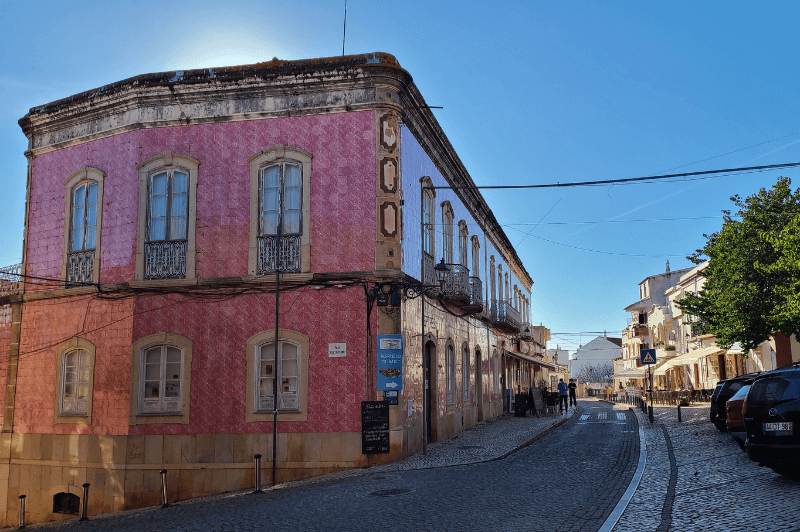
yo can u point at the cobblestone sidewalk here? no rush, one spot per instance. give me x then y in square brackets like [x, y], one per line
[707, 484]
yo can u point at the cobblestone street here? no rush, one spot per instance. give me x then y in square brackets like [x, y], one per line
[554, 473]
[548, 484]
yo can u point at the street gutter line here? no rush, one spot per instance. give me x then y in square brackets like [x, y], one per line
[611, 522]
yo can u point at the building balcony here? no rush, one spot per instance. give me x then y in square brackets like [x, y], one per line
[456, 285]
[475, 304]
[505, 316]
[10, 281]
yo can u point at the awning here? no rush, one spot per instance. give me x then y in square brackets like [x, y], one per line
[630, 373]
[531, 360]
[687, 358]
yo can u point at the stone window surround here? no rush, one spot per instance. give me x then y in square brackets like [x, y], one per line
[86, 174]
[73, 344]
[447, 233]
[153, 165]
[463, 244]
[266, 337]
[466, 374]
[429, 199]
[137, 350]
[273, 155]
[450, 374]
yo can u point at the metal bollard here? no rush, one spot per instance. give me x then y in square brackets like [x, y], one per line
[258, 474]
[650, 413]
[679, 413]
[22, 511]
[85, 508]
[164, 502]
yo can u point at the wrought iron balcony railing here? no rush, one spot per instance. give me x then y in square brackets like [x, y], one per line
[80, 267]
[283, 257]
[165, 260]
[456, 284]
[475, 295]
[506, 316]
[10, 281]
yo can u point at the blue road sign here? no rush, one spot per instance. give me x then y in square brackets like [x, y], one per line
[648, 356]
[390, 362]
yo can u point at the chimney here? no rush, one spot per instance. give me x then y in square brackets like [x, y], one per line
[667, 266]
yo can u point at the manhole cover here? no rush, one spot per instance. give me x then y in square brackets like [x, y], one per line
[379, 477]
[467, 447]
[390, 493]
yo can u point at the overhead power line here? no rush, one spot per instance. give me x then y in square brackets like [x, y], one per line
[628, 180]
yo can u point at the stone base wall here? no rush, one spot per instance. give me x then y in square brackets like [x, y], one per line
[124, 470]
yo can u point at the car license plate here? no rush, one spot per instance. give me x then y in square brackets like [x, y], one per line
[775, 427]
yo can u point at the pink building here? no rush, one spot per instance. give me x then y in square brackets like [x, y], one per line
[169, 214]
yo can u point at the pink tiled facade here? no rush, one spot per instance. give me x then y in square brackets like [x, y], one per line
[342, 225]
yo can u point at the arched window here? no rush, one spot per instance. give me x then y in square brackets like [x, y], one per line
[290, 366]
[167, 219]
[476, 256]
[279, 210]
[465, 373]
[161, 386]
[450, 375]
[428, 217]
[463, 243]
[74, 381]
[447, 229]
[83, 214]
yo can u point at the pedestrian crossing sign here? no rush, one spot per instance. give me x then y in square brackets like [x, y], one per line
[648, 356]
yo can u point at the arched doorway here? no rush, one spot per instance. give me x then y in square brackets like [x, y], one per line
[479, 383]
[429, 391]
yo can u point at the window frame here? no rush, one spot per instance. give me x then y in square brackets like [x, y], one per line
[450, 374]
[463, 244]
[162, 409]
[466, 374]
[254, 343]
[138, 349]
[84, 175]
[447, 230]
[428, 217]
[154, 165]
[496, 373]
[280, 154]
[63, 349]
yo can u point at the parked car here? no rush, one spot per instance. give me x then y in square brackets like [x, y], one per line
[728, 390]
[734, 420]
[771, 416]
[713, 413]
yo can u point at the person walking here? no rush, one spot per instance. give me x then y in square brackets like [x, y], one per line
[563, 391]
[573, 400]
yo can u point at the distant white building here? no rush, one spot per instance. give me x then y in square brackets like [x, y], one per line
[602, 349]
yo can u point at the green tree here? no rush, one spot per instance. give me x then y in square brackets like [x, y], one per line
[751, 281]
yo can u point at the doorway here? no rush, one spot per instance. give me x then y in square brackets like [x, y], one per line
[479, 383]
[429, 361]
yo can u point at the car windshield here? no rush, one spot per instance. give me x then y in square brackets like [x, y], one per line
[741, 393]
[774, 390]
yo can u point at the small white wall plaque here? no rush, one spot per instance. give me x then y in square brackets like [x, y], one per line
[337, 350]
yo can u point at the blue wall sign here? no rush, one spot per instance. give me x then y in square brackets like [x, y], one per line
[648, 356]
[390, 362]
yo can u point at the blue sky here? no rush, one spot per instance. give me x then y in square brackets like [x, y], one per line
[532, 92]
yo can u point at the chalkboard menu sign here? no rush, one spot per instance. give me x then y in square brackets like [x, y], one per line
[538, 403]
[374, 427]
